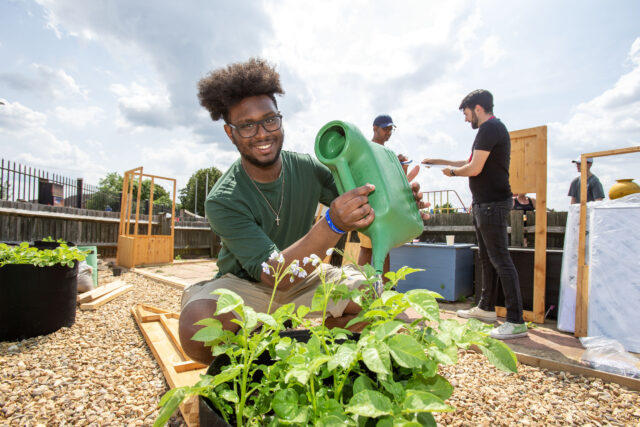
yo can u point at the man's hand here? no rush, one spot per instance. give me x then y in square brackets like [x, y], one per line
[417, 194]
[402, 158]
[447, 172]
[351, 210]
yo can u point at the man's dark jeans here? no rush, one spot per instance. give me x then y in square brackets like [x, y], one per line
[490, 221]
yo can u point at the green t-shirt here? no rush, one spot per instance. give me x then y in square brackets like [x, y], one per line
[247, 226]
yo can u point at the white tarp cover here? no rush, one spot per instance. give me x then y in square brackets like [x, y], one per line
[614, 274]
[568, 276]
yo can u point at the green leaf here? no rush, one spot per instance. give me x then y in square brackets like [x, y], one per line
[344, 357]
[362, 383]
[424, 302]
[376, 356]
[229, 395]
[208, 333]
[228, 301]
[285, 404]
[426, 420]
[406, 351]
[422, 401]
[303, 310]
[267, 320]
[447, 356]
[226, 375]
[300, 374]
[394, 388]
[387, 329]
[250, 318]
[500, 355]
[284, 311]
[170, 402]
[373, 313]
[355, 320]
[209, 321]
[436, 384]
[370, 403]
[332, 420]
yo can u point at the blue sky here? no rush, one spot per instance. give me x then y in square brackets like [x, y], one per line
[101, 86]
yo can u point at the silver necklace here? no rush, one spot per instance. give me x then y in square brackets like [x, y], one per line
[277, 214]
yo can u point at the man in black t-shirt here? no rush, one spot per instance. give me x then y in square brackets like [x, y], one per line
[488, 172]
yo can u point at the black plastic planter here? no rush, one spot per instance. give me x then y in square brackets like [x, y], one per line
[36, 300]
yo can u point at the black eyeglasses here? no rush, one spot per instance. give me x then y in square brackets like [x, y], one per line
[249, 130]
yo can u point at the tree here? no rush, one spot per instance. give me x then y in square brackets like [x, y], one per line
[110, 189]
[188, 193]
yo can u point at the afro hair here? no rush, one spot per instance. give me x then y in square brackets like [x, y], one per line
[223, 88]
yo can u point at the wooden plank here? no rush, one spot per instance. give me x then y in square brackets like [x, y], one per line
[159, 278]
[168, 356]
[98, 292]
[552, 365]
[189, 365]
[105, 298]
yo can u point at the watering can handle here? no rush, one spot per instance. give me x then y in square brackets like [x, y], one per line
[344, 172]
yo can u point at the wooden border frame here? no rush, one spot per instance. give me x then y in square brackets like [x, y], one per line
[528, 174]
[135, 249]
[582, 284]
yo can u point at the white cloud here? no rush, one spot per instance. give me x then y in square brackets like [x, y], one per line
[16, 119]
[141, 106]
[79, 117]
[492, 51]
[32, 143]
[48, 81]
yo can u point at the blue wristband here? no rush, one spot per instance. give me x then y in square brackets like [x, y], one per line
[331, 224]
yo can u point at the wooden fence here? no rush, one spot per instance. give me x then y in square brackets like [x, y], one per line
[461, 225]
[21, 221]
[30, 221]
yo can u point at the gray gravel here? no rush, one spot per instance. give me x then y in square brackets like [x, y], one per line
[100, 372]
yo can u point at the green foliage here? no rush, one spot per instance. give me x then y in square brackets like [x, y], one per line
[444, 208]
[23, 254]
[110, 187]
[188, 193]
[50, 239]
[386, 376]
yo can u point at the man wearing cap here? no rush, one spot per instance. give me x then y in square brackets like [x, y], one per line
[594, 187]
[488, 172]
[383, 127]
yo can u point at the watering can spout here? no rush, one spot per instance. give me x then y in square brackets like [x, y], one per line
[355, 161]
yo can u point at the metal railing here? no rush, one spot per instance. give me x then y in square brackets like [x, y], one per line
[441, 202]
[22, 183]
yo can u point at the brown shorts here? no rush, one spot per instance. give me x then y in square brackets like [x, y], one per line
[257, 294]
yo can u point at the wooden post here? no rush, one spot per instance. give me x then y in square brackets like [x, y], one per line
[517, 228]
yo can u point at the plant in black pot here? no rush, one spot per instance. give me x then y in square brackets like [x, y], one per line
[38, 289]
[387, 375]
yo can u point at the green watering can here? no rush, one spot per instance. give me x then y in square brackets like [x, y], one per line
[355, 161]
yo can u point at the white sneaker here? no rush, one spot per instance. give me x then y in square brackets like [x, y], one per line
[509, 330]
[477, 313]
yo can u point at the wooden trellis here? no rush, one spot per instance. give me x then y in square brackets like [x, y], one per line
[142, 249]
[528, 174]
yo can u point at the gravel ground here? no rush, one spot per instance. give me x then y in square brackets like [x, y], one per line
[101, 373]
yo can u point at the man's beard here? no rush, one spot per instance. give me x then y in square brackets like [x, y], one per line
[261, 164]
[474, 120]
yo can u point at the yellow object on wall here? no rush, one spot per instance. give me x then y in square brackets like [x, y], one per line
[623, 187]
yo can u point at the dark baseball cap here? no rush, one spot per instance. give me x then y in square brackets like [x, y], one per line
[589, 160]
[383, 121]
